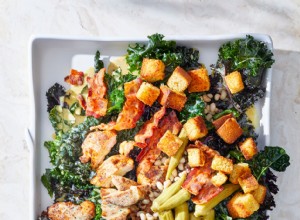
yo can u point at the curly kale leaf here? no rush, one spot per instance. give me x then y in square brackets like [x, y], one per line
[61, 119]
[250, 56]
[194, 106]
[165, 50]
[53, 96]
[68, 180]
[271, 157]
[115, 83]
[98, 63]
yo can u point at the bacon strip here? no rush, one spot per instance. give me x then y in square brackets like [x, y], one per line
[207, 192]
[74, 78]
[96, 104]
[149, 126]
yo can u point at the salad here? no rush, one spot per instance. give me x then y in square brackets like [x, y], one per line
[158, 135]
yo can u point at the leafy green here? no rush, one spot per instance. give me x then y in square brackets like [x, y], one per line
[165, 50]
[194, 106]
[271, 157]
[249, 56]
[232, 111]
[61, 119]
[115, 83]
[53, 96]
[98, 63]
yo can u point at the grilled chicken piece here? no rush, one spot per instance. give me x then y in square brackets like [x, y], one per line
[125, 147]
[70, 211]
[125, 198]
[96, 146]
[122, 183]
[115, 165]
[152, 174]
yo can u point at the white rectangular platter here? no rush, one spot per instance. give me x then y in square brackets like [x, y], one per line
[50, 59]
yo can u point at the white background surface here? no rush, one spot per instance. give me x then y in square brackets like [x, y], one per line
[21, 19]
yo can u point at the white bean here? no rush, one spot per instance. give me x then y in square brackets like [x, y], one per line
[160, 186]
[139, 213]
[180, 166]
[149, 216]
[146, 201]
[208, 117]
[174, 173]
[212, 107]
[182, 160]
[142, 216]
[217, 96]
[157, 163]
[206, 98]
[210, 95]
[156, 194]
[223, 95]
[167, 183]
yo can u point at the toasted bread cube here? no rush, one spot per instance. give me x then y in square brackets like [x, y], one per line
[200, 80]
[148, 93]
[179, 80]
[219, 179]
[248, 182]
[238, 170]
[248, 148]
[196, 157]
[169, 143]
[152, 70]
[195, 128]
[220, 121]
[234, 82]
[223, 164]
[260, 194]
[230, 131]
[171, 99]
[242, 205]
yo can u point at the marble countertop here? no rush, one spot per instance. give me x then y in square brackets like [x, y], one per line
[132, 18]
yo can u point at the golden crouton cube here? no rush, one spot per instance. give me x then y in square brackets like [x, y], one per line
[260, 194]
[195, 128]
[179, 80]
[238, 170]
[248, 182]
[223, 164]
[196, 157]
[169, 143]
[152, 70]
[230, 131]
[171, 99]
[219, 179]
[148, 93]
[220, 121]
[242, 205]
[234, 82]
[200, 80]
[248, 148]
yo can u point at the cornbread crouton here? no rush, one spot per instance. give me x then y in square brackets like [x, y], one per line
[179, 80]
[248, 182]
[238, 170]
[169, 143]
[219, 179]
[171, 99]
[196, 157]
[248, 148]
[260, 194]
[234, 82]
[195, 128]
[218, 122]
[242, 205]
[230, 131]
[200, 80]
[152, 70]
[148, 93]
[223, 164]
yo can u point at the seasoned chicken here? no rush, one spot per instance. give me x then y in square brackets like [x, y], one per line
[70, 211]
[125, 198]
[96, 146]
[125, 147]
[122, 183]
[114, 165]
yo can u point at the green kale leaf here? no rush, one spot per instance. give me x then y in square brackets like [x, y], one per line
[53, 96]
[98, 63]
[194, 106]
[61, 119]
[165, 50]
[249, 56]
[115, 83]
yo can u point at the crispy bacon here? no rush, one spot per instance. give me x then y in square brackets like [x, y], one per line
[206, 193]
[75, 78]
[149, 126]
[96, 104]
[197, 178]
[81, 101]
[132, 109]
